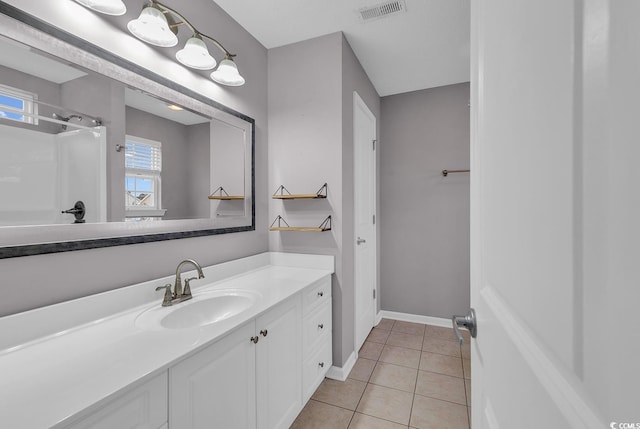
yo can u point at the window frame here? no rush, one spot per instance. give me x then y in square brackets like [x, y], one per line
[29, 100]
[156, 175]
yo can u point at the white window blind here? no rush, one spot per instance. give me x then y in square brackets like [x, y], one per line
[143, 155]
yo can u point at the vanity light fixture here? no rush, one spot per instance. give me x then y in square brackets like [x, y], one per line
[108, 7]
[174, 108]
[158, 25]
[153, 27]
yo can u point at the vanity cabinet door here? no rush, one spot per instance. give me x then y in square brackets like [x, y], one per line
[279, 365]
[143, 407]
[216, 386]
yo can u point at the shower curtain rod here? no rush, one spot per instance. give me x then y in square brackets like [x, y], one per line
[445, 173]
[98, 122]
[94, 119]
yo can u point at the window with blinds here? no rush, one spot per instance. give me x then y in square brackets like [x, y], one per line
[143, 169]
[18, 105]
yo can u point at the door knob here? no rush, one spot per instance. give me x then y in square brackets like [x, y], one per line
[468, 321]
[360, 241]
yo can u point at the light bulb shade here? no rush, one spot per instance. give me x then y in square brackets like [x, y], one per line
[152, 27]
[196, 55]
[108, 7]
[227, 73]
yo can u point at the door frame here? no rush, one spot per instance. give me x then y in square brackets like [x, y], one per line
[358, 103]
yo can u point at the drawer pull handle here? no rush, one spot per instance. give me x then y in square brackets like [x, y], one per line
[255, 339]
[264, 332]
[320, 294]
[321, 364]
[321, 326]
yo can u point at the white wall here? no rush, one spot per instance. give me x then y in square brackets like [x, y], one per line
[30, 282]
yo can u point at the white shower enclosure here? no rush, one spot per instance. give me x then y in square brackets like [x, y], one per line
[42, 174]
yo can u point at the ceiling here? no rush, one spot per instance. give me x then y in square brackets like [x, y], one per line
[425, 45]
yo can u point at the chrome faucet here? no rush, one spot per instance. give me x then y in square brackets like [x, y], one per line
[179, 294]
[177, 286]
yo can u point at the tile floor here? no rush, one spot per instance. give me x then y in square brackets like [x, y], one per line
[408, 375]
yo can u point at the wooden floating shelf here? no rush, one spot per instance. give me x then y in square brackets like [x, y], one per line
[324, 226]
[297, 196]
[226, 197]
[280, 194]
[298, 228]
[222, 195]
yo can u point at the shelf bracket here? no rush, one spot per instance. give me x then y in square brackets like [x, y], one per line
[220, 190]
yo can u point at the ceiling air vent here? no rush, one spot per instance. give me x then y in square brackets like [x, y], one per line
[382, 10]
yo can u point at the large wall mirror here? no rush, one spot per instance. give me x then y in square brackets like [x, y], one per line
[98, 152]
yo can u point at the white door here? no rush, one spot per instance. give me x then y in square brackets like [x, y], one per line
[364, 136]
[555, 213]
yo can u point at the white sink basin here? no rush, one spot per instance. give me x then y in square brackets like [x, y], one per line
[203, 309]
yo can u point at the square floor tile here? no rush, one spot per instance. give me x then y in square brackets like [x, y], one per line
[443, 347]
[440, 386]
[400, 339]
[440, 332]
[370, 350]
[386, 403]
[378, 336]
[362, 369]
[345, 394]
[394, 376]
[409, 327]
[318, 415]
[466, 365]
[401, 356]
[386, 324]
[429, 413]
[442, 364]
[363, 421]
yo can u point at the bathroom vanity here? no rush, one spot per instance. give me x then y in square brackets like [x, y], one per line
[246, 352]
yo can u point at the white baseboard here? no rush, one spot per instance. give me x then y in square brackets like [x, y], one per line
[406, 317]
[341, 374]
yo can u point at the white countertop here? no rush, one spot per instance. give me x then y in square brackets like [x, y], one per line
[46, 380]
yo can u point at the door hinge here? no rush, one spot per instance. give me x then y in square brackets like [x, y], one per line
[374, 294]
[374, 219]
[374, 144]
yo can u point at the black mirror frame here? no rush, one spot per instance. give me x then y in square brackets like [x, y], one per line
[68, 246]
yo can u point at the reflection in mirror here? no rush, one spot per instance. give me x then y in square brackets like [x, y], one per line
[172, 157]
[142, 154]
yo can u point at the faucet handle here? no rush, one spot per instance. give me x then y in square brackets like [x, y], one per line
[187, 287]
[168, 296]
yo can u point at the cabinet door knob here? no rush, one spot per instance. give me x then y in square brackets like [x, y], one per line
[321, 326]
[320, 293]
[264, 332]
[255, 339]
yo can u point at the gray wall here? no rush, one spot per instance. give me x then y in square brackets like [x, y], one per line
[424, 217]
[311, 86]
[175, 158]
[34, 281]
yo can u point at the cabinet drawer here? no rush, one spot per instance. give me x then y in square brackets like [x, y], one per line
[314, 369]
[314, 327]
[316, 295]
